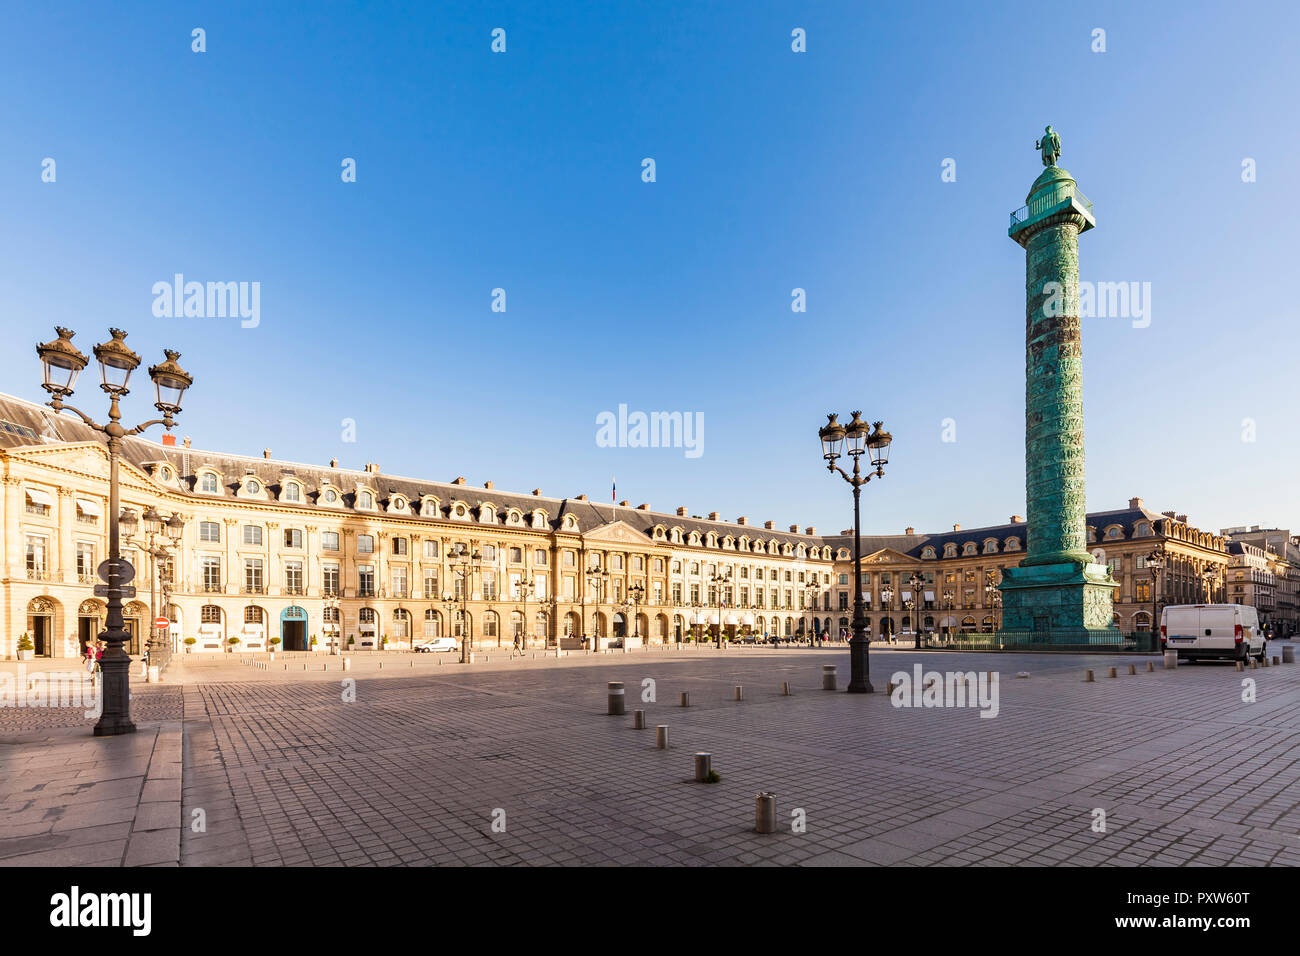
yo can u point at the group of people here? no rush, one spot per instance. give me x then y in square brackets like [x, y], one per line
[94, 651]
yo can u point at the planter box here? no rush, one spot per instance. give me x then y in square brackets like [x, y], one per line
[26, 655]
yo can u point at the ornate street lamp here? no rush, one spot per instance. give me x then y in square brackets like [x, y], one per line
[810, 595]
[157, 550]
[463, 564]
[916, 582]
[719, 577]
[833, 437]
[597, 578]
[61, 363]
[637, 593]
[947, 608]
[1155, 561]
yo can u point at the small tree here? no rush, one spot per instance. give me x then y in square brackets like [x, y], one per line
[313, 640]
[190, 642]
[273, 642]
[25, 642]
[352, 639]
[232, 641]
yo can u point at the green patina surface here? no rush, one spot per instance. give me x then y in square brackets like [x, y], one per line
[1057, 591]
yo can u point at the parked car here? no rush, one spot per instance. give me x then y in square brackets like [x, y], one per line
[437, 645]
[1212, 631]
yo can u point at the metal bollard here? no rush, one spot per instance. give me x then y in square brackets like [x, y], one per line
[739, 693]
[153, 674]
[765, 812]
[828, 677]
[661, 737]
[1111, 672]
[785, 688]
[1171, 660]
[638, 720]
[703, 766]
[1276, 660]
[1087, 677]
[1132, 669]
[616, 698]
[1288, 654]
[1151, 667]
[1239, 667]
[889, 688]
[347, 663]
[686, 699]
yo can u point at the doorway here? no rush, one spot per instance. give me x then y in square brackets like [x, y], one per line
[293, 629]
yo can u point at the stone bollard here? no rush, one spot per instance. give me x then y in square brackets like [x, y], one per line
[1087, 677]
[740, 695]
[703, 766]
[765, 812]
[638, 720]
[1111, 672]
[1263, 660]
[153, 674]
[1288, 654]
[785, 688]
[661, 737]
[1151, 667]
[1239, 667]
[1132, 670]
[616, 698]
[1276, 660]
[686, 699]
[347, 663]
[1254, 664]
[889, 688]
[828, 677]
[1171, 660]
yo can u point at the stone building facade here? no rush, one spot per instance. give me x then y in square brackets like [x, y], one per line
[358, 559]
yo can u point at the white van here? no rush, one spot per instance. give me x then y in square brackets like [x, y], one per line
[1222, 631]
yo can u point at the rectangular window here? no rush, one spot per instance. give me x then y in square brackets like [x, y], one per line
[569, 559]
[365, 544]
[365, 580]
[489, 586]
[329, 540]
[293, 537]
[570, 588]
[253, 535]
[539, 587]
[293, 577]
[399, 546]
[36, 552]
[677, 593]
[659, 592]
[330, 577]
[431, 550]
[431, 591]
[85, 561]
[211, 574]
[253, 580]
[695, 594]
[399, 582]
[540, 558]
[209, 531]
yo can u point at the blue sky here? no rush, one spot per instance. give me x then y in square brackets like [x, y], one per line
[775, 170]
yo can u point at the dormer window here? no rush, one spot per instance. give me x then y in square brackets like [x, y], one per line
[253, 486]
[366, 500]
[950, 550]
[570, 523]
[292, 492]
[927, 553]
[399, 503]
[331, 497]
[165, 473]
[208, 484]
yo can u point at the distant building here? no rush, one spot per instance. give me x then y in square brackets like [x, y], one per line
[1280, 551]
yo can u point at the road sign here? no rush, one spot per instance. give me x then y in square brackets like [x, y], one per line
[161, 623]
[125, 571]
[128, 590]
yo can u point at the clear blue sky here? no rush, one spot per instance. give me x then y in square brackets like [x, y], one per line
[775, 170]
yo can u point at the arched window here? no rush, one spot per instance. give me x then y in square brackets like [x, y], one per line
[210, 614]
[432, 624]
[253, 614]
[401, 624]
[292, 492]
[365, 500]
[490, 624]
[541, 626]
[208, 483]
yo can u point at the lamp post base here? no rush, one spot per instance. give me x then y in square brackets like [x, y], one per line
[112, 727]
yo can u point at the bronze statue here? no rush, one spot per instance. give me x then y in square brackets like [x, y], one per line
[1050, 146]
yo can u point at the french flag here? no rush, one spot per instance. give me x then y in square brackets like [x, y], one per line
[613, 491]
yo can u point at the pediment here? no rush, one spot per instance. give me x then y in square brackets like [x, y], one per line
[887, 556]
[617, 532]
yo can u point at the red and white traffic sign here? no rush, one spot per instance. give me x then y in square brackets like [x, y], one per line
[161, 623]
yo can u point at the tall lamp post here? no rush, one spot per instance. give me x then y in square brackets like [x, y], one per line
[947, 614]
[719, 577]
[916, 582]
[887, 602]
[810, 595]
[463, 564]
[1155, 561]
[61, 364]
[598, 579]
[833, 437]
[526, 590]
[637, 593]
[1210, 576]
[159, 650]
[993, 598]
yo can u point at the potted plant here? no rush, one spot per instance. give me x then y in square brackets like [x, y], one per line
[352, 639]
[383, 642]
[313, 642]
[232, 641]
[26, 649]
[189, 643]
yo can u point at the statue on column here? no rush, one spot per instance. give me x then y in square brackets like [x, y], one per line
[1049, 146]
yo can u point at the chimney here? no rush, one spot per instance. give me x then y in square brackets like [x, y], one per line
[810, 530]
[1134, 504]
[769, 525]
[169, 440]
[1168, 514]
[537, 492]
[187, 441]
[459, 481]
[847, 531]
[623, 504]
[794, 529]
[956, 527]
[1018, 519]
[713, 516]
[643, 507]
[910, 530]
[372, 467]
[334, 462]
[1182, 519]
[582, 498]
[682, 511]
[266, 453]
[487, 485]
[742, 520]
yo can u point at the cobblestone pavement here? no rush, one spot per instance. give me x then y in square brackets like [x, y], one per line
[431, 752]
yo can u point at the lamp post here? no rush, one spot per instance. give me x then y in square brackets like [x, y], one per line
[833, 436]
[1210, 577]
[1155, 561]
[947, 614]
[915, 581]
[463, 564]
[61, 364]
[810, 595]
[330, 622]
[524, 592]
[637, 593]
[719, 577]
[159, 651]
[598, 579]
[993, 598]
